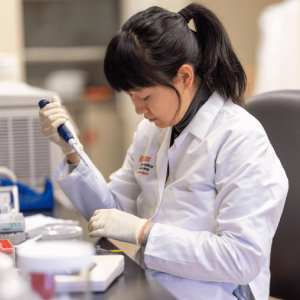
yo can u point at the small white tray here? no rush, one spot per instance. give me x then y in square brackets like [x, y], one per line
[107, 269]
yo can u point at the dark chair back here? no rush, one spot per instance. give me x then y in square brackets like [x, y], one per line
[279, 114]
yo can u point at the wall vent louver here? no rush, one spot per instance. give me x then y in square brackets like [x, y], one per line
[23, 148]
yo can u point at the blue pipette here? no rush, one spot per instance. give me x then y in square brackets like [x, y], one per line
[66, 134]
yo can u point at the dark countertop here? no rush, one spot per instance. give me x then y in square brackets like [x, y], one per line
[133, 284]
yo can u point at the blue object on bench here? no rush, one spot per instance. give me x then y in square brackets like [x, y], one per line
[31, 200]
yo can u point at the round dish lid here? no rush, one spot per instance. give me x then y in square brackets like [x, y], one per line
[56, 256]
[57, 232]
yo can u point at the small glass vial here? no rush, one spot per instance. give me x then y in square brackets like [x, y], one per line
[58, 269]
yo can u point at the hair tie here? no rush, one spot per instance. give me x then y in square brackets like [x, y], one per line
[186, 15]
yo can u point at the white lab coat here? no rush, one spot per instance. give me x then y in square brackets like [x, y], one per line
[216, 215]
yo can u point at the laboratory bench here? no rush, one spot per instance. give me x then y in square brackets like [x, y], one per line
[134, 283]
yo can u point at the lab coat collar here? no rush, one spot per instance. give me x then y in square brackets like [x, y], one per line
[199, 124]
[203, 118]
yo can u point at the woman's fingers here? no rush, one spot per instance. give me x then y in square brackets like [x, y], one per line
[98, 220]
[97, 233]
[96, 216]
[54, 111]
[49, 120]
[92, 219]
[96, 212]
[96, 225]
[53, 127]
[50, 106]
[46, 114]
[57, 122]
[55, 99]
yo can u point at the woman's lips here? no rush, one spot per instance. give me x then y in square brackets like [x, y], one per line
[150, 119]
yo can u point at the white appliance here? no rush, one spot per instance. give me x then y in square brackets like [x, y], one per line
[23, 148]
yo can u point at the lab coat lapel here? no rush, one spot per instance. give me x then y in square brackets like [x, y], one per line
[203, 119]
[162, 159]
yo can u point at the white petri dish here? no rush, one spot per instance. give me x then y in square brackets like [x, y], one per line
[57, 232]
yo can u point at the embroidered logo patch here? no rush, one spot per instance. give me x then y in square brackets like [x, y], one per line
[142, 172]
[144, 158]
[145, 167]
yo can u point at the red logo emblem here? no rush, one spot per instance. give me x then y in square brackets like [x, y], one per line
[144, 158]
[142, 172]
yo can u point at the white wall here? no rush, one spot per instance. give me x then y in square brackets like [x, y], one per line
[11, 30]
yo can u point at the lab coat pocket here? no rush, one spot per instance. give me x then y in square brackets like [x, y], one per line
[190, 210]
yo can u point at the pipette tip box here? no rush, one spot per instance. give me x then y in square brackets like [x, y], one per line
[12, 227]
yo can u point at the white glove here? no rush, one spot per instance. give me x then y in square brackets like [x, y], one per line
[51, 117]
[116, 224]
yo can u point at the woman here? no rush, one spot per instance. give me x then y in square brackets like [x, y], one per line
[201, 189]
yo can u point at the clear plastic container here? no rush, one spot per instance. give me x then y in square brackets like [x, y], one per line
[15, 238]
[57, 232]
[54, 267]
[12, 222]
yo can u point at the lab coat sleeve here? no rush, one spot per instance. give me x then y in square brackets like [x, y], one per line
[88, 194]
[252, 187]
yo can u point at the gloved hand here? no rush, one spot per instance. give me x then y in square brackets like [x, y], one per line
[116, 224]
[51, 117]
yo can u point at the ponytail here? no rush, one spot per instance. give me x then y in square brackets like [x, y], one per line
[218, 65]
[153, 44]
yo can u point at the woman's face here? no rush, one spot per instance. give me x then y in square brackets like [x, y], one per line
[159, 105]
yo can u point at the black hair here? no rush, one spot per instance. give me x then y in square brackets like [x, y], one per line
[153, 44]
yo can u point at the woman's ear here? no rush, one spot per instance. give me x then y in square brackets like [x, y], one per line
[185, 76]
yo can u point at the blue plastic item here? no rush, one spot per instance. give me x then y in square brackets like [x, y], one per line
[63, 130]
[31, 200]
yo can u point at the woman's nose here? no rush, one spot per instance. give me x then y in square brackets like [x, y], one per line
[140, 105]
